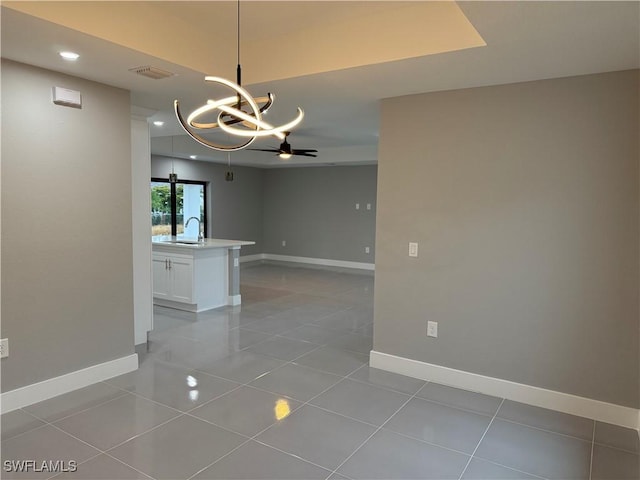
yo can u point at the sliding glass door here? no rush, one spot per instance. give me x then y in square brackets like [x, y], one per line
[174, 204]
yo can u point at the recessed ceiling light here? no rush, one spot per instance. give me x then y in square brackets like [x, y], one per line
[158, 123]
[193, 157]
[69, 55]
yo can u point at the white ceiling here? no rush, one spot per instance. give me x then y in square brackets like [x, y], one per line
[334, 59]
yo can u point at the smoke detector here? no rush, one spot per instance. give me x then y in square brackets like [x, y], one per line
[152, 72]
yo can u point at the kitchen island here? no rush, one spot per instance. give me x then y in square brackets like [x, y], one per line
[196, 275]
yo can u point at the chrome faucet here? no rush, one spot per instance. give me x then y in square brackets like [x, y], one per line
[200, 235]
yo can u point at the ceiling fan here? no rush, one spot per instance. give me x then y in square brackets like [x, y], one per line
[285, 151]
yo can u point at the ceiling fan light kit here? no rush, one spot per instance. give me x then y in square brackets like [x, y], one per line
[231, 112]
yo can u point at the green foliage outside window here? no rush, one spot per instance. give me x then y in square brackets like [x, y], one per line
[161, 198]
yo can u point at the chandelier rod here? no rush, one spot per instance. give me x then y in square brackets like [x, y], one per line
[239, 68]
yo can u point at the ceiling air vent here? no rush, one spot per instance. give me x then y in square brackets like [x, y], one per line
[152, 72]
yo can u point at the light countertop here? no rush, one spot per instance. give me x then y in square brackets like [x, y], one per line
[194, 244]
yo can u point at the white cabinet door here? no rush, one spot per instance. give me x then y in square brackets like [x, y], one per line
[161, 276]
[181, 278]
[173, 278]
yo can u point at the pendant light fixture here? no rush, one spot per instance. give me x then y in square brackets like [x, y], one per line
[238, 109]
[228, 175]
[173, 176]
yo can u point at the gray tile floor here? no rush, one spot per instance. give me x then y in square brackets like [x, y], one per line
[281, 389]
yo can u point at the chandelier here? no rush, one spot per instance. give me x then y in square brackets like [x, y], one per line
[235, 110]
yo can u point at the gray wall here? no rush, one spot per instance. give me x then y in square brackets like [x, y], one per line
[67, 300]
[313, 210]
[235, 208]
[524, 200]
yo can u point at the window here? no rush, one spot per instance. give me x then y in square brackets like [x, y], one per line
[173, 204]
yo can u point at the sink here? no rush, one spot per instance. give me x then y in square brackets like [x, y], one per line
[183, 242]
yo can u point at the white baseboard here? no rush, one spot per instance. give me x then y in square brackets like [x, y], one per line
[540, 397]
[234, 299]
[309, 261]
[37, 392]
[251, 258]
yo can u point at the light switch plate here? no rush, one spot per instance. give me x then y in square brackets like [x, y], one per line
[4, 348]
[413, 249]
[432, 329]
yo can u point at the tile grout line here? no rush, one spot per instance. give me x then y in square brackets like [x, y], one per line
[480, 441]
[126, 464]
[316, 369]
[544, 429]
[160, 404]
[303, 323]
[93, 447]
[636, 453]
[100, 451]
[381, 387]
[455, 407]
[124, 392]
[512, 468]
[57, 474]
[239, 386]
[245, 349]
[218, 459]
[323, 391]
[335, 471]
[421, 440]
[182, 414]
[290, 454]
[45, 423]
[52, 423]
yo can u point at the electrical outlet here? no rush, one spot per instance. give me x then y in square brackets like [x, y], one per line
[368, 206]
[432, 329]
[366, 249]
[413, 249]
[284, 243]
[357, 206]
[4, 348]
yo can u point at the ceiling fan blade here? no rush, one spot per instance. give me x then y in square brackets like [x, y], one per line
[305, 155]
[264, 150]
[303, 150]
